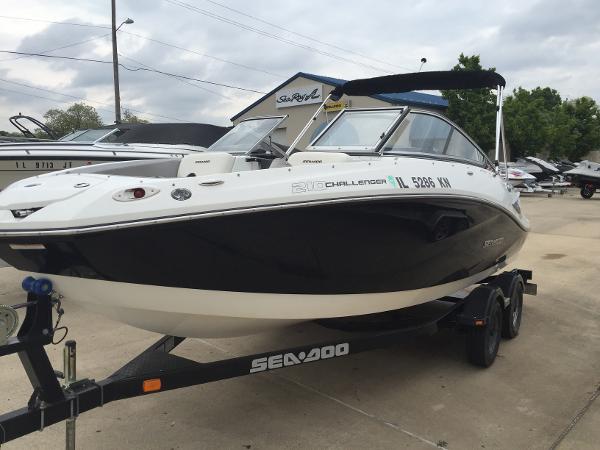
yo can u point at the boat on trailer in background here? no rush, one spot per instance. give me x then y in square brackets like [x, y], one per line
[123, 142]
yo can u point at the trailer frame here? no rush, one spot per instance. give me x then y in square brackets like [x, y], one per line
[157, 370]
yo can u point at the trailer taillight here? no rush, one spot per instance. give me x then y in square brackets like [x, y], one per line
[151, 385]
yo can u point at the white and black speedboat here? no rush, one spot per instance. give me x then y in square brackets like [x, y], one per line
[585, 176]
[123, 142]
[386, 208]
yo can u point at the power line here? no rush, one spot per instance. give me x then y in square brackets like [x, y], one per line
[184, 77]
[258, 19]
[244, 66]
[178, 79]
[82, 99]
[56, 22]
[137, 69]
[270, 35]
[135, 61]
[60, 48]
[42, 97]
[138, 62]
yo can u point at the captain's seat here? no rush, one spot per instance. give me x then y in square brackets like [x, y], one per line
[196, 165]
[304, 158]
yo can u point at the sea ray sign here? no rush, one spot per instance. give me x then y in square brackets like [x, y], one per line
[304, 95]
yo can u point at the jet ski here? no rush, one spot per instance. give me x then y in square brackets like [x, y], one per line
[585, 176]
[519, 178]
[563, 165]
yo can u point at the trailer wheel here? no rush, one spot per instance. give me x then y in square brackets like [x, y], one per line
[483, 342]
[511, 284]
[587, 190]
[511, 318]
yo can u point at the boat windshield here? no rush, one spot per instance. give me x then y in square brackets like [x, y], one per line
[92, 135]
[357, 130]
[247, 135]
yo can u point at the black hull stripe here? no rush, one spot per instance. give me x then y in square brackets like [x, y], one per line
[232, 211]
[342, 248]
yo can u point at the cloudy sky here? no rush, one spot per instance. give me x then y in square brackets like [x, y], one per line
[257, 45]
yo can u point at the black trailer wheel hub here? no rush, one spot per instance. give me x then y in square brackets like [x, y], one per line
[494, 331]
[517, 312]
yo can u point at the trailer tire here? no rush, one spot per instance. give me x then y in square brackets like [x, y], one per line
[483, 342]
[511, 317]
[587, 191]
[511, 285]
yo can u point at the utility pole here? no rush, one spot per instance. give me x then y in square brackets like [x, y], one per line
[115, 28]
[115, 64]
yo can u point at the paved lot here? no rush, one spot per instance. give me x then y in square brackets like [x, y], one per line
[540, 393]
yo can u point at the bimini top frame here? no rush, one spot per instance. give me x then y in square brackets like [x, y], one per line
[452, 79]
[14, 120]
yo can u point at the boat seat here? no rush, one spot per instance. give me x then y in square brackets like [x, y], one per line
[304, 158]
[205, 164]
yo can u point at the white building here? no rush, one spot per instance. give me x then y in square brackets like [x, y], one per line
[300, 96]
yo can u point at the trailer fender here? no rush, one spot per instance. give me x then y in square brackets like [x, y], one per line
[507, 282]
[478, 306]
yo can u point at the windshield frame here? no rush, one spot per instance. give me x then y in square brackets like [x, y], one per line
[359, 149]
[257, 143]
[486, 163]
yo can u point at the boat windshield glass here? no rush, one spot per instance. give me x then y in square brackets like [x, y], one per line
[71, 136]
[92, 135]
[357, 130]
[246, 135]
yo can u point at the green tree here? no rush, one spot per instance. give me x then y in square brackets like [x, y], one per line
[76, 117]
[474, 110]
[538, 121]
[549, 98]
[527, 121]
[129, 117]
[585, 121]
[563, 134]
[11, 133]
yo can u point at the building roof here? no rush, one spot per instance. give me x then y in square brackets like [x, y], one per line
[402, 98]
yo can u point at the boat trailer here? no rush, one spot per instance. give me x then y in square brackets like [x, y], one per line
[490, 311]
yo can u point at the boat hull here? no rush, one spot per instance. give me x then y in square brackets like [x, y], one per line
[216, 314]
[240, 273]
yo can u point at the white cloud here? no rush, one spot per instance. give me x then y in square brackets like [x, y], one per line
[546, 43]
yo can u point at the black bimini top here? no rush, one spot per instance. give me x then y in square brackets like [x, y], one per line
[406, 82]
